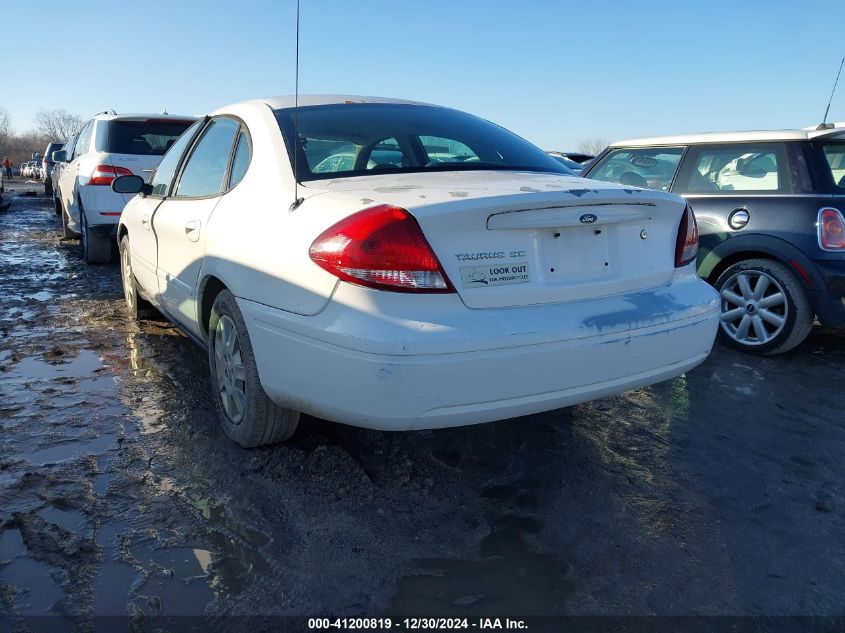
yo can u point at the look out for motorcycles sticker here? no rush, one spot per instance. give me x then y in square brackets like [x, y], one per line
[495, 275]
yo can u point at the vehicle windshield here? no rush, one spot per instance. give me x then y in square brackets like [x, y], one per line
[374, 138]
[151, 137]
[834, 153]
[650, 168]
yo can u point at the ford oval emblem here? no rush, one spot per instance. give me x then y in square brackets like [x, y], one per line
[588, 218]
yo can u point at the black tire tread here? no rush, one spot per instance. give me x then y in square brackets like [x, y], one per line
[799, 304]
[67, 233]
[265, 422]
[143, 309]
[97, 248]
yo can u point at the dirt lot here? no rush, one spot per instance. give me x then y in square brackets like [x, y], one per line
[720, 492]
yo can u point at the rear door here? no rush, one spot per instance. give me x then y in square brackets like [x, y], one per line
[738, 188]
[69, 176]
[179, 223]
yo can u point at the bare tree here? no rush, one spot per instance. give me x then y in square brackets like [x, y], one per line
[592, 146]
[5, 127]
[57, 124]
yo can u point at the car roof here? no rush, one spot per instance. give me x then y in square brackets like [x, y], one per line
[735, 137]
[288, 101]
[109, 116]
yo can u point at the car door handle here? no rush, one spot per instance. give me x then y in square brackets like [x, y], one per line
[192, 230]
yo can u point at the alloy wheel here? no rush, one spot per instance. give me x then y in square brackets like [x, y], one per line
[128, 280]
[230, 370]
[754, 307]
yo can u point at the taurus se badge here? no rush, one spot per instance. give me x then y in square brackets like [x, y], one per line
[588, 218]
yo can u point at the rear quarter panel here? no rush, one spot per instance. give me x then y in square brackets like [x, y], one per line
[254, 243]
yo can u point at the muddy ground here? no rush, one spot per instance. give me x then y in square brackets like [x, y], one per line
[720, 492]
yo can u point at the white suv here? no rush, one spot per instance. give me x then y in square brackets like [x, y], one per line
[107, 146]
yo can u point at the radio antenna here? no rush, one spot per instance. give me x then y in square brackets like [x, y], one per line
[824, 120]
[296, 199]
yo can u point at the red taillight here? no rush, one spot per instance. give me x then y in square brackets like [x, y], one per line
[105, 174]
[686, 247]
[831, 229]
[381, 247]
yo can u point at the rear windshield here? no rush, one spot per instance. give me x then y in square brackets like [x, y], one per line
[834, 153]
[371, 138]
[152, 137]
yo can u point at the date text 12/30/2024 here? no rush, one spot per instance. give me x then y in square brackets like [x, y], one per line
[416, 624]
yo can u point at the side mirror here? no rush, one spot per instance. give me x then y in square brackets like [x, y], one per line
[128, 184]
[59, 156]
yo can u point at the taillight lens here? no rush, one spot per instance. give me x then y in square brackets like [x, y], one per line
[831, 229]
[105, 174]
[381, 247]
[686, 247]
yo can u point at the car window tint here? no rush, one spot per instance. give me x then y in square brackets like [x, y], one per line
[651, 168]
[834, 154]
[331, 156]
[386, 154]
[204, 173]
[356, 139]
[144, 137]
[241, 161]
[163, 176]
[744, 167]
[446, 150]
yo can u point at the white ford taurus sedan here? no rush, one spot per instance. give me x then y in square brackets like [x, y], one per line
[397, 265]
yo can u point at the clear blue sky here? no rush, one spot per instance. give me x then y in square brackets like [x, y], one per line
[554, 71]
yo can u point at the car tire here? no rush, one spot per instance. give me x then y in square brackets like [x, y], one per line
[48, 188]
[248, 415]
[57, 205]
[137, 307]
[96, 247]
[67, 232]
[766, 319]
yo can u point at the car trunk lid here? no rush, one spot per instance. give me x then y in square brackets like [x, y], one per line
[513, 238]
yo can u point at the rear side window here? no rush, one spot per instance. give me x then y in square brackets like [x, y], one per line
[746, 168]
[240, 162]
[834, 154]
[650, 168]
[149, 137]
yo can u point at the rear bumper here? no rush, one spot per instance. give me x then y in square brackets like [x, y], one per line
[101, 204]
[355, 365]
[829, 303]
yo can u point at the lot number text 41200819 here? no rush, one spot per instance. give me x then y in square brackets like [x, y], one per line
[416, 624]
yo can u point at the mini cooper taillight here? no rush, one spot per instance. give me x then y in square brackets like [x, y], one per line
[686, 247]
[831, 229]
[381, 247]
[105, 174]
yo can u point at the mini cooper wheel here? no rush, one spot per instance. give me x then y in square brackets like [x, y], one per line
[137, 306]
[248, 415]
[764, 307]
